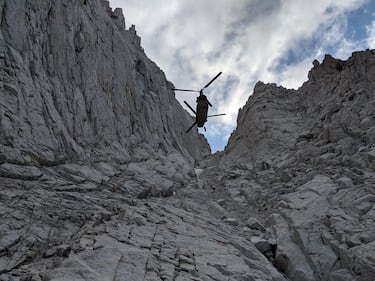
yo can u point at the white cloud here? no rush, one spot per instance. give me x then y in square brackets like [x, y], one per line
[371, 35]
[249, 40]
[293, 76]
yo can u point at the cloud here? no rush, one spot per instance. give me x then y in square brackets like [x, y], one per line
[249, 40]
[371, 35]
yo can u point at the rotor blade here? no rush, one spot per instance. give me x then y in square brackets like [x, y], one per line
[184, 90]
[214, 115]
[213, 79]
[191, 127]
[188, 105]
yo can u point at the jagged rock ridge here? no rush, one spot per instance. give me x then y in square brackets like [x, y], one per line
[306, 159]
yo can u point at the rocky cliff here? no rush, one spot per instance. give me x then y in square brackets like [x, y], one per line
[99, 182]
[77, 86]
[305, 160]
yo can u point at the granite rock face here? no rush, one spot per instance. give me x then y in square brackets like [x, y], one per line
[77, 86]
[97, 178]
[57, 228]
[305, 159]
[99, 182]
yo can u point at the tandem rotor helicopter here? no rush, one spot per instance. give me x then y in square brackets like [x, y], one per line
[202, 106]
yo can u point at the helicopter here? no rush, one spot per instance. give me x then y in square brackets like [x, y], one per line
[202, 106]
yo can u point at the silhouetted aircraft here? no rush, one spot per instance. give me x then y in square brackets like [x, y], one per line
[202, 105]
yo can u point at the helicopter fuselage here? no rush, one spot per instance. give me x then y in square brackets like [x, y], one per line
[202, 105]
[202, 110]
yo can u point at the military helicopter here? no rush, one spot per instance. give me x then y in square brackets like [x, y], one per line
[202, 106]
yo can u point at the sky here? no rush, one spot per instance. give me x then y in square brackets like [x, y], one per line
[274, 41]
